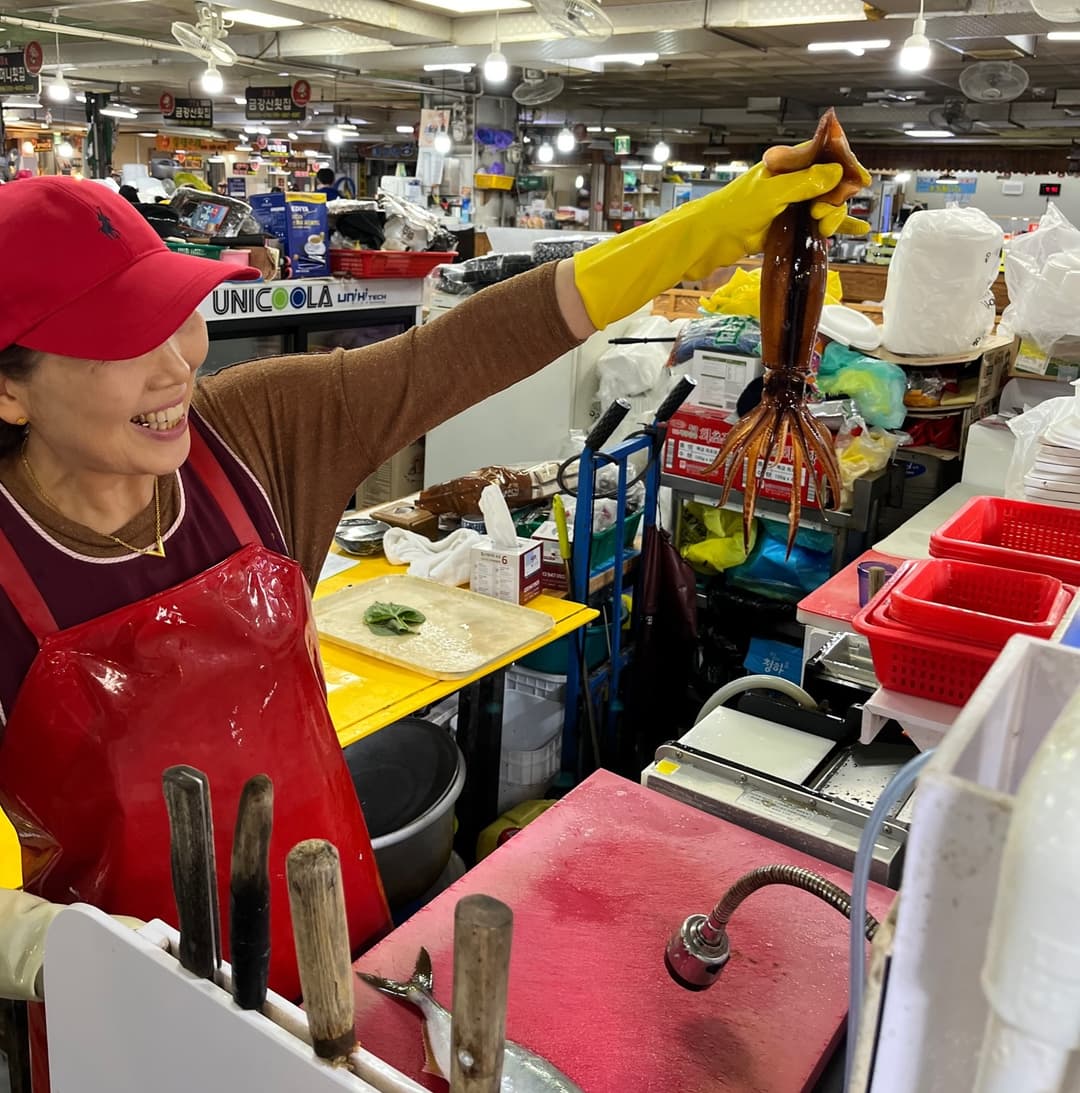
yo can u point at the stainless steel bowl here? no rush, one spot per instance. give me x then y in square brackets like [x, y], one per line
[360, 535]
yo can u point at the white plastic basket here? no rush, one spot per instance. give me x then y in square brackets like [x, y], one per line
[532, 745]
[539, 684]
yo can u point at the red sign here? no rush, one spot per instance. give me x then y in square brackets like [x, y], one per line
[167, 104]
[260, 142]
[33, 57]
[301, 92]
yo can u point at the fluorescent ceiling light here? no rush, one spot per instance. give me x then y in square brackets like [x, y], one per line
[902, 176]
[651, 167]
[463, 67]
[1064, 36]
[119, 112]
[609, 129]
[688, 166]
[403, 128]
[856, 49]
[308, 132]
[260, 18]
[293, 136]
[927, 133]
[638, 59]
[476, 7]
[283, 73]
[147, 134]
[240, 100]
[593, 129]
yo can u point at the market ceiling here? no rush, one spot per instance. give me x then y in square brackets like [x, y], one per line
[734, 72]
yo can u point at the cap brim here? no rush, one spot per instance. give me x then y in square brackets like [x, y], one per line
[135, 311]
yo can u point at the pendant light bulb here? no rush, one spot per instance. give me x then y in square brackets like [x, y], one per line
[334, 135]
[660, 152]
[496, 68]
[545, 153]
[565, 141]
[915, 54]
[212, 83]
[59, 90]
[442, 143]
[64, 149]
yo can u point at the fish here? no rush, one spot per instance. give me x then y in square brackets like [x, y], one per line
[793, 278]
[523, 1072]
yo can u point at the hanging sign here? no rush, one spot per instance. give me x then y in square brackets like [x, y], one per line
[242, 167]
[274, 104]
[622, 145]
[33, 57]
[301, 93]
[189, 113]
[964, 184]
[15, 77]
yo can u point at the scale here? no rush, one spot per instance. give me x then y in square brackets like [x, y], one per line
[806, 783]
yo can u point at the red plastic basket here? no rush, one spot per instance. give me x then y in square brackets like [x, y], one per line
[388, 263]
[1015, 535]
[915, 663]
[980, 604]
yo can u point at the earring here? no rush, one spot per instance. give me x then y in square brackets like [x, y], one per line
[22, 421]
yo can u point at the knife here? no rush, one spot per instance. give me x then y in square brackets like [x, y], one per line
[249, 894]
[323, 956]
[483, 929]
[191, 825]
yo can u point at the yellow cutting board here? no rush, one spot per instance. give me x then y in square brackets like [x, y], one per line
[463, 634]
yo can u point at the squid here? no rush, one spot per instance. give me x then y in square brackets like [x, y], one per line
[792, 293]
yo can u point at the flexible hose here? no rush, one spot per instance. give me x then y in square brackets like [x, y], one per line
[752, 683]
[715, 926]
[901, 782]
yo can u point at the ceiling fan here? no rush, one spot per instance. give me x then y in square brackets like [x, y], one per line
[993, 81]
[954, 117]
[537, 87]
[205, 38]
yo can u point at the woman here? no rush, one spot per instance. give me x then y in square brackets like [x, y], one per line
[158, 537]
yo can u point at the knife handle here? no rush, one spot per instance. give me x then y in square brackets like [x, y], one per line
[321, 936]
[483, 929]
[191, 825]
[249, 894]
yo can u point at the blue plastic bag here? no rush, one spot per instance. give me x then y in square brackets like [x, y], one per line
[769, 573]
[876, 387]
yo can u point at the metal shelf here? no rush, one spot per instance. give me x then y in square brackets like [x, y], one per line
[868, 493]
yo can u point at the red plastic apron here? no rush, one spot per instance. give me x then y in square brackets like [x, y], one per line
[221, 672]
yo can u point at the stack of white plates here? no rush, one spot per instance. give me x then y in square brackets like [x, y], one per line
[1055, 476]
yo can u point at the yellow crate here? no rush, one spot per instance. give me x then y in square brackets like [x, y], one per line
[493, 182]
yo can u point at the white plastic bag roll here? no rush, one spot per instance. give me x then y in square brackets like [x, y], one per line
[938, 299]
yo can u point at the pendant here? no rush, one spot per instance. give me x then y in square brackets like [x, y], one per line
[157, 550]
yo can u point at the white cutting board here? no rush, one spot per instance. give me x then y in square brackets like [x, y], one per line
[464, 632]
[124, 1017]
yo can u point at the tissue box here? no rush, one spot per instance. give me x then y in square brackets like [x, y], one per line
[506, 573]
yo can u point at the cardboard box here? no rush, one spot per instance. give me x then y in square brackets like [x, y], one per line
[401, 475]
[694, 438]
[552, 567]
[511, 574]
[404, 514]
[722, 377]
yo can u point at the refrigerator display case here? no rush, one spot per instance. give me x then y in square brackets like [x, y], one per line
[247, 320]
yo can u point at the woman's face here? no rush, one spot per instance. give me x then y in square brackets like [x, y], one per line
[113, 417]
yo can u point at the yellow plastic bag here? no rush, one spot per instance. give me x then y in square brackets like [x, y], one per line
[869, 451]
[711, 538]
[742, 294]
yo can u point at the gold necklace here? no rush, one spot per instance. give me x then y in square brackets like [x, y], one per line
[155, 551]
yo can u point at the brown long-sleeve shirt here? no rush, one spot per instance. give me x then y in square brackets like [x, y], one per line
[312, 427]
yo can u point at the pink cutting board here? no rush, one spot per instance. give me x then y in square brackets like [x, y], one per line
[597, 884]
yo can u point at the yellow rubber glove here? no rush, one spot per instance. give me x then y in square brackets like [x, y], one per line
[619, 275]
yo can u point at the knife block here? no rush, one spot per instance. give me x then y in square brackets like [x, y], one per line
[125, 1017]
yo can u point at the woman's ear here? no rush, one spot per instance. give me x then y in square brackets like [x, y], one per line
[13, 409]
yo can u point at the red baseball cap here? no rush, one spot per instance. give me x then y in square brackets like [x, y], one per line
[86, 276]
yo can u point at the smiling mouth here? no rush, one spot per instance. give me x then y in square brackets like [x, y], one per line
[160, 420]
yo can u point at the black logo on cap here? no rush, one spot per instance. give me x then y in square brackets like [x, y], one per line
[105, 226]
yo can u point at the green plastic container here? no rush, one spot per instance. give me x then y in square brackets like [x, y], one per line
[553, 658]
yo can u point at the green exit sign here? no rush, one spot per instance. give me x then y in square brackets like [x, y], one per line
[622, 145]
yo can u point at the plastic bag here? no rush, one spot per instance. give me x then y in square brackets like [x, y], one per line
[861, 450]
[1029, 429]
[876, 387]
[937, 297]
[1042, 272]
[769, 572]
[624, 371]
[519, 487]
[711, 539]
[717, 334]
[742, 294]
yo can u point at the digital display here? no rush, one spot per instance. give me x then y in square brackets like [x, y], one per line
[1049, 189]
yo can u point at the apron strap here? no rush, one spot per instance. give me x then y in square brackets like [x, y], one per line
[206, 466]
[23, 593]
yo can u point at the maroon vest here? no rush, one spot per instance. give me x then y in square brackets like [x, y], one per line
[77, 587]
